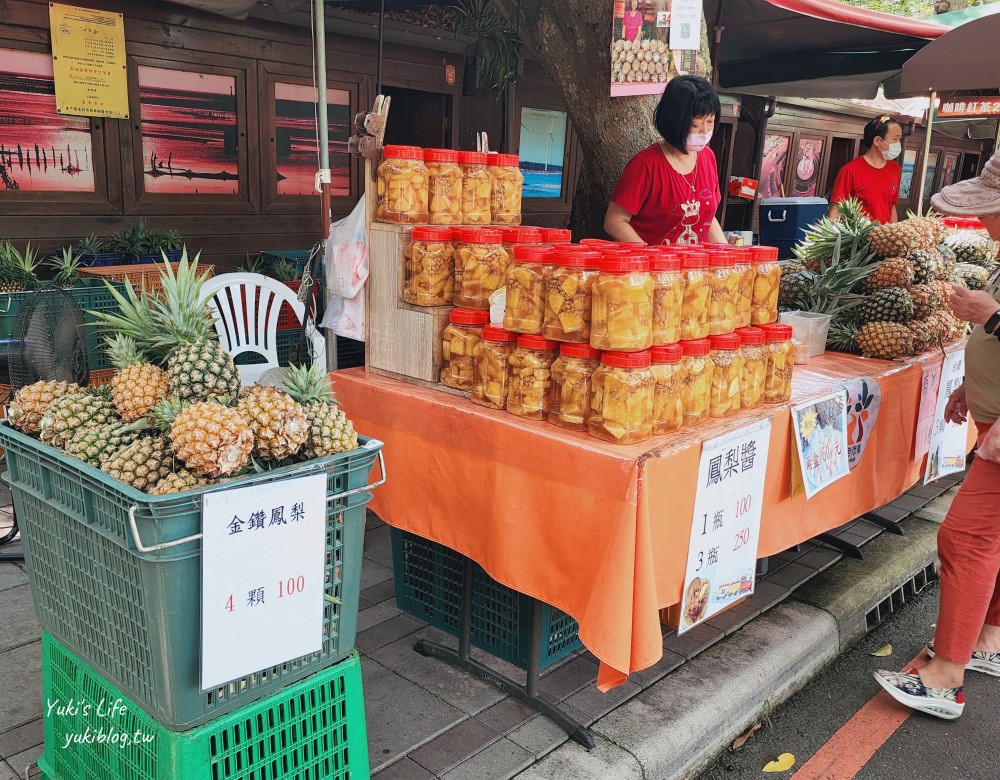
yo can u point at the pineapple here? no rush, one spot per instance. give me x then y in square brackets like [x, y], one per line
[138, 385]
[926, 332]
[843, 330]
[948, 261]
[930, 229]
[885, 340]
[927, 299]
[135, 241]
[141, 464]
[278, 423]
[330, 431]
[203, 370]
[17, 269]
[826, 239]
[971, 247]
[895, 239]
[894, 272]
[178, 482]
[31, 401]
[71, 413]
[892, 304]
[66, 266]
[90, 246]
[211, 440]
[927, 265]
[975, 277]
[285, 271]
[252, 264]
[95, 444]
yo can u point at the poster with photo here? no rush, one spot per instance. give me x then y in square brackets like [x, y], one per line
[189, 132]
[949, 169]
[542, 150]
[772, 169]
[40, 150]
[906, 180]
[821, 451]
[296, 145]
[807, 167]
[641, 59]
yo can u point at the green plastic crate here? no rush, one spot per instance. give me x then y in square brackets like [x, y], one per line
[136, 617]
[297, 256]
[428, 579]
[312, 730]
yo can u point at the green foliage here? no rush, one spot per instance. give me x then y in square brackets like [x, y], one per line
[496, 43]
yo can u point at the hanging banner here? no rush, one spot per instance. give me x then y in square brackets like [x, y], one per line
[820, 449]
[88, 61]
[968, 107]
[948, 443]
[722, 553]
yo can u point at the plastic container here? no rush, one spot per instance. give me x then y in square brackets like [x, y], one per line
[480, 267]
[569, 294]
[477, 188]
[766, 285]
[696, 308]
[492, 367]
[621, 398]
[698, 367]
[668, 392]
[402, 186]
[725, 284]
[668, 297]
[429, 267]
[508, 184]
[557, 236]
[569, 403]
[727, 375]
[783, 221]
[444, 187]
[135, 616]
[755, 355]
[780, 362]
[515, 236]
[808, 328]
[622, 313]
[525, 298]
[744, 299]
[531, 377]
[312, 728]
[459, 339]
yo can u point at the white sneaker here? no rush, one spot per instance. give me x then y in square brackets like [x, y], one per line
[907, 688]
[987, 663]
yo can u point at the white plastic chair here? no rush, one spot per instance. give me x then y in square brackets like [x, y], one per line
[246, 308]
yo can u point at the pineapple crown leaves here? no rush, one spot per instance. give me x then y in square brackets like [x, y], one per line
[162, 416]
[122, 351]
[65, 264]
[828, 290]
[91, 245]
[308, 384]
[285, 271]
[253, 264]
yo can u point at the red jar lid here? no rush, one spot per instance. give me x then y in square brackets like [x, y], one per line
[721, 259]
[696, 347]
[777, 332]
[521, 235]
[627, 359]
[751, 336]
[624, 263]
[598, 243]
[743, 254]
[579, 351]
[694, 260]
[575, 256]
[537, 342]
[661, 261]
[403, 152]
[432, 234]
[504, 160]
[495, 333]
[440, 155]
[469, 317]
[557, 235]
[725, 341]
[532, 253]
[472, 158]
[671, 353]
[456, 233]
[763, 254]
[480, 236]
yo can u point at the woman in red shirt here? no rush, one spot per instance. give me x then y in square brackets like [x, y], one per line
[669, 192]
[873, 178]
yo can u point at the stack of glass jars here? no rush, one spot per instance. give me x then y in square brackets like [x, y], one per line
[569, 403]
[621, 405]
[508, 182]
[402, 186]
[459, 340]
[429, 263]
[492, 367]
[525, 297]
[622, 313]
[480, 267]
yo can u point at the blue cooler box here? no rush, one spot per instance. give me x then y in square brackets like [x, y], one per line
[783, 221]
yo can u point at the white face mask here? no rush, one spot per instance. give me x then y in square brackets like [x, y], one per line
[698, 141]
[893, 151]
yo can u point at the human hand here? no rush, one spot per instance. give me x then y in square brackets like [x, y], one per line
[975, 306]
[989, 444]
[957, 410]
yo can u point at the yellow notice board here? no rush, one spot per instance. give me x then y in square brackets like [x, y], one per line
[88, 60]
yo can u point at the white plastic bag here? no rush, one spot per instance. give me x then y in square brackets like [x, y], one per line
[346, 316]
[346, 264]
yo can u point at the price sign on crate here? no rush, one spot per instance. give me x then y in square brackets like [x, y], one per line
[263, 557]
[722, 553]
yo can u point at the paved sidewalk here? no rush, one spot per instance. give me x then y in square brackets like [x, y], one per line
[427, 720]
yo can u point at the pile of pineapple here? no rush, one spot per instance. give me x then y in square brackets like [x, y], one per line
[174, 416]
[886, 286]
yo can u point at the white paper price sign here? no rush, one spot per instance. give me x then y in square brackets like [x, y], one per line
[948, 442]
[263, 557]
[722, 554]
[685, 25]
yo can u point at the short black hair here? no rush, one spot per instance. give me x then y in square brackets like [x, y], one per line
[684, 98]
[876, 128]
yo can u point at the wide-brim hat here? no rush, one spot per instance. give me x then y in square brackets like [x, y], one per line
[976, 197]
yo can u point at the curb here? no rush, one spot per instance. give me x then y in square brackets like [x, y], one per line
[675, 729]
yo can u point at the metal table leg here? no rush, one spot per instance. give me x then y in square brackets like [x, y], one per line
[848, 549]
[888, 525]
[527, 693]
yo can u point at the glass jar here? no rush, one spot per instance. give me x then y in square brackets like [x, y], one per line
[557, 236]
[695, 309]
[725, 291]
[480, 267]
[668, 297]
[531, 377]
[459, 339]
[402, 186]
[429, 278]
[508, 183]
[754, 367]
[766, 284]
[512, 236]
[477, 187]
[727, 374]
[780, 361]
[744, 301]
[444, 187]
[568, 294]
[621, 398]
[569, 402]
[668, 392]
[525, 304]
[697, 392]
[492, 367]
[622, 312]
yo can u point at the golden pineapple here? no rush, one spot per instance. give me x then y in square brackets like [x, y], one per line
[885, 340]
[141, 464]
[95, 444]
[926, 300]
[30, 402]
[278, 423]
[330, 431]
[896, 239]
[138, 385]
[926, 332]
[178, 482]
[71, 413]
[894, 272]
[212, 440]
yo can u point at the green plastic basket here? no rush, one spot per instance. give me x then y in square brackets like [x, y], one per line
[106, 584]
[312, 730]
[297, 256]
[428, 579]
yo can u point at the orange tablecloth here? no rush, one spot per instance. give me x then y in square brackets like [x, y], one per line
[599, 530]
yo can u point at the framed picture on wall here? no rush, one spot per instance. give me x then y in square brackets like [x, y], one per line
[948, 169]
[543, 151]
[774, 164]
[807, 166]
[909, 164]
[296, 144]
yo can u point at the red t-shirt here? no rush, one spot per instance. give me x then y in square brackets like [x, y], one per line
[632, 23]
[666, 208]
[876, 188]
